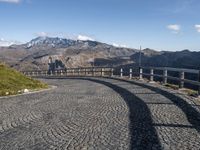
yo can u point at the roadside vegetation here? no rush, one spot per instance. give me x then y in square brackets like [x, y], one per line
[189, 92]
[13, 82]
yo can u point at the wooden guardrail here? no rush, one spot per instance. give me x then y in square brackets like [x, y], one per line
[181, 78]
[90, 71]
[109, 72]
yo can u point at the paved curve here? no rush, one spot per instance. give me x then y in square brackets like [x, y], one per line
[99, 114]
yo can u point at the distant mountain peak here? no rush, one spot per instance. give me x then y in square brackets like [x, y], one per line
[43, 42]
[6, 43]
[50, 42]
[186, 50]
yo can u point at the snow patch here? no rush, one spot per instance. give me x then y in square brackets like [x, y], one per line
[84, 38]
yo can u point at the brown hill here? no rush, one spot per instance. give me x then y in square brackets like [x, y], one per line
[34, 55]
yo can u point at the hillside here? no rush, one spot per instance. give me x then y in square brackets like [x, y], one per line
[34, 55]
[13, 82]
[180, 59]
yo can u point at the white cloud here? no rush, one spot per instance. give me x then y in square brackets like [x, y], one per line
[11, 1]
[4, 42]
[64, 35]
[119, 45]
[84, 38]
[175, 28]
[197, 26]
[116, 45]
[42, 34]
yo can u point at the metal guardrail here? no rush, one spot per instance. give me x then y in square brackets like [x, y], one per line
[109, 71]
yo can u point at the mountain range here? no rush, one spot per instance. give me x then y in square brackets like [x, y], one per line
[34, 55]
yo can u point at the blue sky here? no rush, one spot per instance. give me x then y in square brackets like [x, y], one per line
[158, 24]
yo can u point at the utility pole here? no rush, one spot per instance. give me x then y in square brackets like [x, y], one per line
[140, 64]
[93, 59]
[140, 55]
[110, 58]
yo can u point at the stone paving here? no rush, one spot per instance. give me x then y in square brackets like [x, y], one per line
[99, 114]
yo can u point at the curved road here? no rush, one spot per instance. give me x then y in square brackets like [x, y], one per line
[99, 114]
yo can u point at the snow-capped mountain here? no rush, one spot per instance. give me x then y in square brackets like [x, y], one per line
[50, 42]
[55, 42]
[73, 53]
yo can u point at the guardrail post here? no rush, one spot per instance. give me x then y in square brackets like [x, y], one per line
[140, 73]
[131, 73]
[102, 72]
[93, 72]
[61, 72]
[151, 75]
[181, 77]
[121, 73]
[165, 76]
[199, 86]
[79, 72]
[112, 72]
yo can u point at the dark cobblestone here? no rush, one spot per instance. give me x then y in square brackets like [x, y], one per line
[97, 114]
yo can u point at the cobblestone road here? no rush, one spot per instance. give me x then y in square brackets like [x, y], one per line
[99, 114]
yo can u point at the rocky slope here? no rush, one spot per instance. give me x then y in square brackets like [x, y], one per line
[35, 54]
[180, 59]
